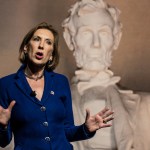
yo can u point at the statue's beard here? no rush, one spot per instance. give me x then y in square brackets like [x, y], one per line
[87, 62]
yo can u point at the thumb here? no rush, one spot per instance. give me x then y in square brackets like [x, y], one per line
[11, 105]
[87, 114]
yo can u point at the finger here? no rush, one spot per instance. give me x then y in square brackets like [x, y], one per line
[103, 111]
[106, 125]
[87, 114]
[107, 114]
[11, 105]
[101, 123]
[107, 120]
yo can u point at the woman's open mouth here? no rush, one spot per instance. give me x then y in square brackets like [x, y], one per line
[39, 55]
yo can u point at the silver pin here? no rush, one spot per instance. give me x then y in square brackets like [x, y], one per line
[52, 92]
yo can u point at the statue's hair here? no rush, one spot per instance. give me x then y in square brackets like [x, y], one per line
[88, 6]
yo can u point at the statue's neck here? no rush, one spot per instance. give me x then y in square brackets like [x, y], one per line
[89, 75]
[88, 79]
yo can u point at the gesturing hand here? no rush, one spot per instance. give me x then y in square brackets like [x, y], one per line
[99, 120]
[6, 113]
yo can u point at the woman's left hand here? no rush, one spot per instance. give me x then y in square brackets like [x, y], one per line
[98, 121]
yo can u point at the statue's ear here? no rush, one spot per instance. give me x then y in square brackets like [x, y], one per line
[117, 40]
[68, 39]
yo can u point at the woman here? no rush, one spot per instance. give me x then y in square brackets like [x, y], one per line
[36, 102]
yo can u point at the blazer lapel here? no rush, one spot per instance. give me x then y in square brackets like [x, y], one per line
[49, 85]
[23, 85]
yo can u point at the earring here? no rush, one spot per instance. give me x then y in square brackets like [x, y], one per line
[49, 62]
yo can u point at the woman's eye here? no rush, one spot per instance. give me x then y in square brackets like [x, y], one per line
[49, 42]
[36, 39]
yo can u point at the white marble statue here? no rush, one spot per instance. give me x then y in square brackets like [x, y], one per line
[92, 31]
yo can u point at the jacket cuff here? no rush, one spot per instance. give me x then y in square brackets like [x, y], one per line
[87, 133]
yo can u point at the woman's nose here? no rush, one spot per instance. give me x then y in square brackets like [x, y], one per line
[41, 45]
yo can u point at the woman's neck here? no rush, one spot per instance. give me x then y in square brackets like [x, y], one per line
[34, 73]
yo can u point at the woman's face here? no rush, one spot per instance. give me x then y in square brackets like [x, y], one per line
[40, 47]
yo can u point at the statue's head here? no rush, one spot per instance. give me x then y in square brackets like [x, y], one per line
[92, 31]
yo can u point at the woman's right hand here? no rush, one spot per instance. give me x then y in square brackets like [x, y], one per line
[5, 114]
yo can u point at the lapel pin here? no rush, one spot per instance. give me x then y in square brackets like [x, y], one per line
[52, 92]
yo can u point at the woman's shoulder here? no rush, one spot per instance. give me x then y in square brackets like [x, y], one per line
[59, 75]
[8, 76]
[58, 78]
[7, 79]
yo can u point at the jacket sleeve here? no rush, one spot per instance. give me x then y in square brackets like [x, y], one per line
[73, 133]
[5, 134]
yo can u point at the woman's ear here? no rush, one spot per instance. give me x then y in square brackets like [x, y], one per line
[26, 48]
[51, 58]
